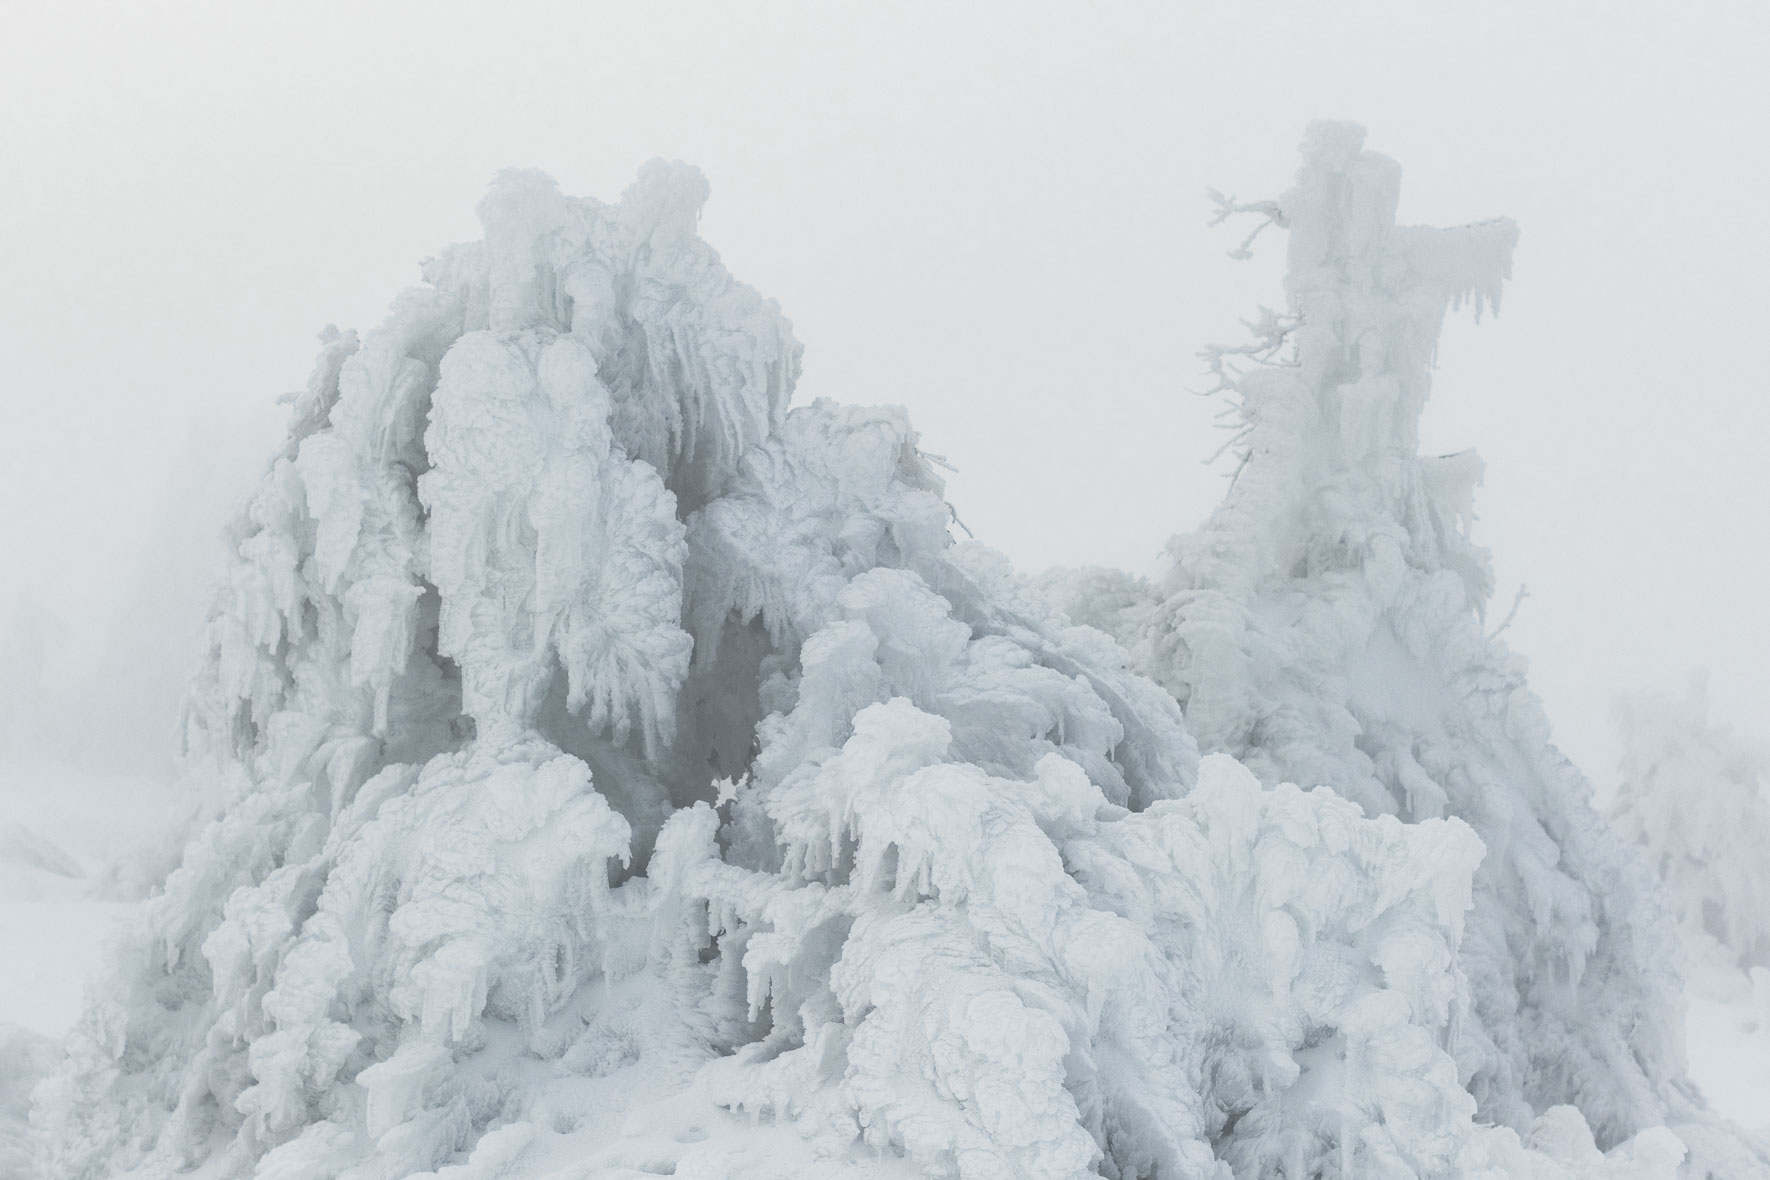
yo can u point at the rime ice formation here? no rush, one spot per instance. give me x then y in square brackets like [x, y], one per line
[618, 774]
[1696, 797]
[1325, 626]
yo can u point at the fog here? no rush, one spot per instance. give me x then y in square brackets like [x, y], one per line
[991, 214]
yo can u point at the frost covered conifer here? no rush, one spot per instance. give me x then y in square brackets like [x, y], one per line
[617, 773]
[1695, 796]
[1325, 626]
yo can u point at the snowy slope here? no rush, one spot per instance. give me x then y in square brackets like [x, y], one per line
[70, 842]
[1728, 1026]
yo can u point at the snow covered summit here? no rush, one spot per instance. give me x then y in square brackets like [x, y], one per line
[618, 773]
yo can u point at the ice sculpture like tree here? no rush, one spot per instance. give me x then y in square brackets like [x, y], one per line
[1325, 626]
[616, 773]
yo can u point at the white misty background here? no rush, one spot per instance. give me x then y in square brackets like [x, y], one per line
[992, 215]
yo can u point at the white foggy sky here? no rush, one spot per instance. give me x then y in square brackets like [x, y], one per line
[992, 214]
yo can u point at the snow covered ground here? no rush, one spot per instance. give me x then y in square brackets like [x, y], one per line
[1728, 1031]
[68, 843]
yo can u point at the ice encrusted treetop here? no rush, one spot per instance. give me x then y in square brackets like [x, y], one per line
[1366, 302]
[617, 773]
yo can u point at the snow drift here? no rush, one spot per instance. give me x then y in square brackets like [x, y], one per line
[614, 772]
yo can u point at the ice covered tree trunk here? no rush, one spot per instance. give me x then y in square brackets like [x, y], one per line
[1325, 626]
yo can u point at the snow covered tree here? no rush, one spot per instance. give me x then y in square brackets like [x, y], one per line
[24, 1058]
[451, 701]
[613, 772]
[1325, 626]
[1695, 796]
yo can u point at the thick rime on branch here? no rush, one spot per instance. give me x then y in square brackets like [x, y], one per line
[614, 773]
